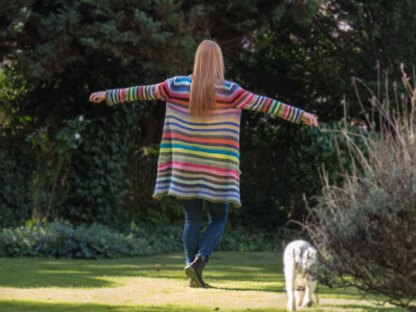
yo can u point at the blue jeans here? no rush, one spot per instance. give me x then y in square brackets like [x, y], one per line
[193, 245]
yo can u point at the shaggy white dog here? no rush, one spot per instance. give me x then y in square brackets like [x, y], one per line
[299, 259]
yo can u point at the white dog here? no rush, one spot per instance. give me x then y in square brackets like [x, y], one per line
[299, 259]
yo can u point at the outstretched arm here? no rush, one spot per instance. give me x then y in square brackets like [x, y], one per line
[247, 100]
[137, 93]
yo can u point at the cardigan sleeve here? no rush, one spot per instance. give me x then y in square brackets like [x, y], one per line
[247, 100]
[159, 91]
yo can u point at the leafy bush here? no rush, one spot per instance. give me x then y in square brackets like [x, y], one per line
[62, 240]
[365, 230]
[97, 182]
[168, 238]
[320, 148]
[282, 163]
[161, 238]
[53, 155]
[243, 240]
[15, 161]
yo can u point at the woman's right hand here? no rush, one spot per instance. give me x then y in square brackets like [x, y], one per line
[310, 119]
[97, 97]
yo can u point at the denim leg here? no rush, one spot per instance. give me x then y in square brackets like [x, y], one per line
[190, 234]
[218, 214]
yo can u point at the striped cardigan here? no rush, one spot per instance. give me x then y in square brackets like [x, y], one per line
[201, 159]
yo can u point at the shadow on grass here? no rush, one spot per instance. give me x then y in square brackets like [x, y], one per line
[28, 306]
[280, 288]
[50, 272]
[260, 271]
[272, 288]
[367, 308]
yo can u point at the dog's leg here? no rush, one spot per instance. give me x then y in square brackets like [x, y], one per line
[290, 288]
[309, 290]
[299, 295]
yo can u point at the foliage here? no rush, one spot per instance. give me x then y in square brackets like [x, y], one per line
[93, 45]
[97, 183]
[161, 238]
[15, 153]
[12, 90]
[15, 163]
[62, 240]
[301, 52]
[324, 148]
[168, 238]
[313, 65]
[281, 164]
[52, 160]
[90, 46]
[249, 241]
[263, 160]
[365, 229]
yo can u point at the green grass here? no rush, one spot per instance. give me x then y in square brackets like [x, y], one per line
[239, 282]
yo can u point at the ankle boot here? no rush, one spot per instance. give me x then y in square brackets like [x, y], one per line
[191, 283]
[194, 272]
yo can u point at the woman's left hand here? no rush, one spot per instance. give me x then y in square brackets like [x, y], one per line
[310, 119]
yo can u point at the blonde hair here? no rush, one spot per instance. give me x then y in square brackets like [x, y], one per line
[208, 70]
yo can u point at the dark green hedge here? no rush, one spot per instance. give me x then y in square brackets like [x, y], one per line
[102, 178]
[62, 240]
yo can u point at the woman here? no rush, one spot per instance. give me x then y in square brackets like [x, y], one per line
[199, 152]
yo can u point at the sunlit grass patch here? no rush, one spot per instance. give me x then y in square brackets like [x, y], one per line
[239, 282]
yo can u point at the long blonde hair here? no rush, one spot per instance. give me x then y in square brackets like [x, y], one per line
[208, 70]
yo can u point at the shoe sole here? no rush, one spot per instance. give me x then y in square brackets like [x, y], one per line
[190, 272]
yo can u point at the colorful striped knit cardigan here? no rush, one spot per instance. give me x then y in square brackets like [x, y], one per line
[201, 159]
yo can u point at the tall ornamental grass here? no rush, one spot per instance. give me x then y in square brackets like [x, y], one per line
[365, 229]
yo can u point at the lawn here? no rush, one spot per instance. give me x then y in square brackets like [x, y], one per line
[239, 282]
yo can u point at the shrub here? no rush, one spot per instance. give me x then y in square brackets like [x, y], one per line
[365, 230]
[168, 238]
[52, 159]
[15, 161]
[281, 163]
[62, 240]
[163, 238]
[320, 148]
[242, 240]
[97, 183]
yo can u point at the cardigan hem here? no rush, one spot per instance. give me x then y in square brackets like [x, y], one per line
[157, 196]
